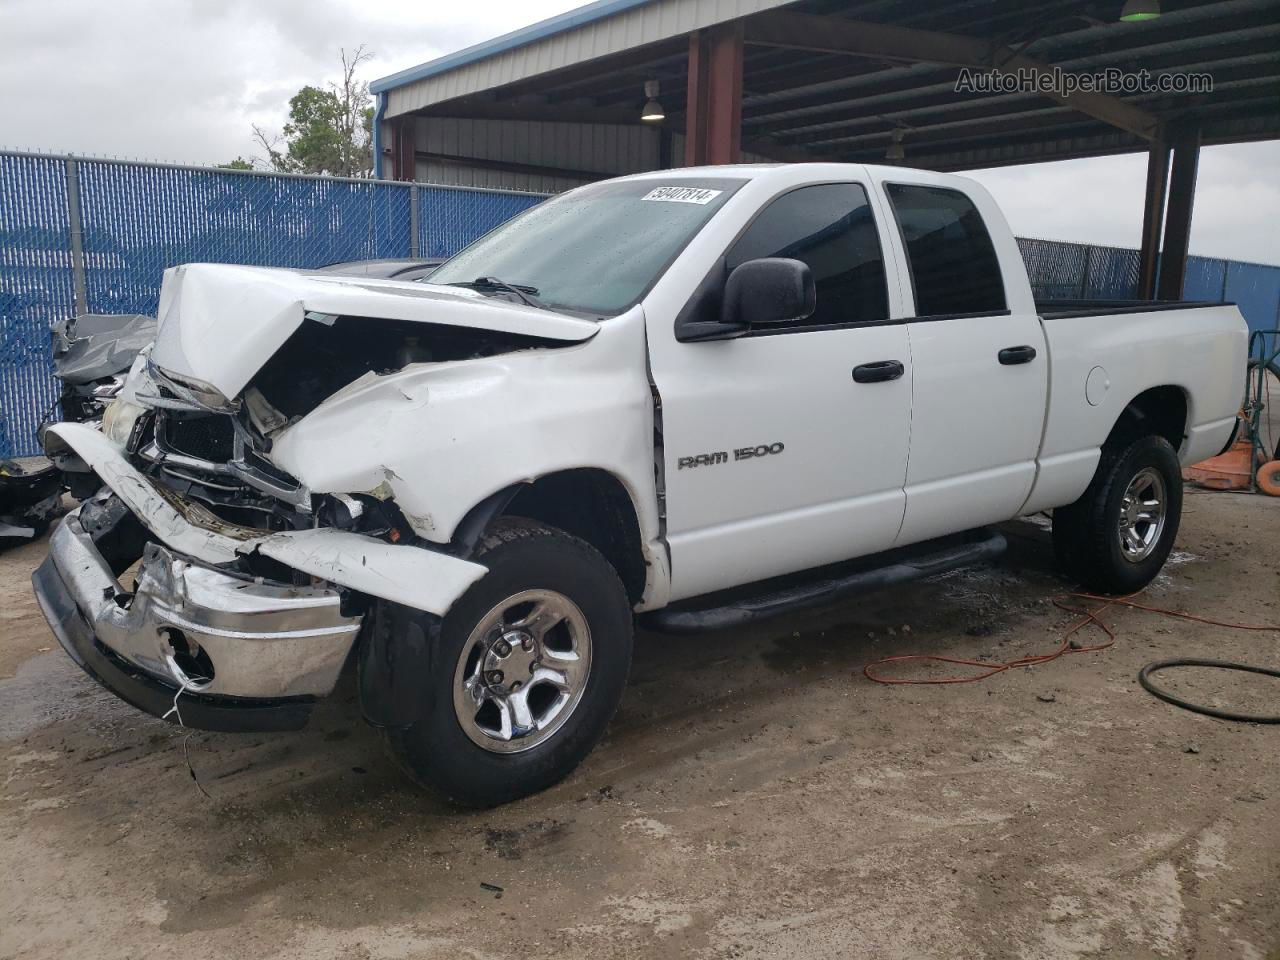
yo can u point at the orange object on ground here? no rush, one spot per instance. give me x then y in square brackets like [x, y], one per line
[1227, 471]
[1269, 478]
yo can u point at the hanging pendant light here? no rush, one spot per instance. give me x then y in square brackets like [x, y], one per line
[1135, 11]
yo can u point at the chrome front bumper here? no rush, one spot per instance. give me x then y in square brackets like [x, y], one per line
[192, 628]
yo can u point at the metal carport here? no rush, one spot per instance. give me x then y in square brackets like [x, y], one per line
[559, 103]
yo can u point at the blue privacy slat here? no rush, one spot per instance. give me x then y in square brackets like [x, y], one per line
[139, 220]
[450, 219]
[35, 289]
[1204, 278]
[1256, 288]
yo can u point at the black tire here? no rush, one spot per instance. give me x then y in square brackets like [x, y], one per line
[1086, 534]
[521, 555]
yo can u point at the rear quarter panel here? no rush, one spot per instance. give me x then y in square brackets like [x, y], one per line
[1200, 350]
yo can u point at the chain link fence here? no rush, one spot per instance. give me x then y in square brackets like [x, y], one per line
[82, 235]
[88, 235]
[1074, 271]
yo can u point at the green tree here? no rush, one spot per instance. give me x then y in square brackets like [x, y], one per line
[239, 163]
[330, 130]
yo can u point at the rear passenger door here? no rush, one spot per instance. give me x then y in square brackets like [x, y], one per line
[980, 369]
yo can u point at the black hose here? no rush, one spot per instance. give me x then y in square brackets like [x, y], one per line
[1144, 678]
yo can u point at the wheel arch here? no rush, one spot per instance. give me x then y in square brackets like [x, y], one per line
[590, 503]
[1162, 411]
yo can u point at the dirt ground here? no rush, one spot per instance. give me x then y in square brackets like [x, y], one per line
[755, 797]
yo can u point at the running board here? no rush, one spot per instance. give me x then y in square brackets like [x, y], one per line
[819, 592]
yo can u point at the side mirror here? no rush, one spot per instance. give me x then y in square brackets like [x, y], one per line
[769, 290]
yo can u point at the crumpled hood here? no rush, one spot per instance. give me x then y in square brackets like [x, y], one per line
[220, 323]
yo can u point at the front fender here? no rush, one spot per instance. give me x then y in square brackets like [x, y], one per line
[438, 438]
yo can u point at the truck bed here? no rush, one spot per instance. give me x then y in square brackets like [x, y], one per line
[1107, 352]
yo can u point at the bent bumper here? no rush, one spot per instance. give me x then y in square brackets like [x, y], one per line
[245, 655]
[426, 579]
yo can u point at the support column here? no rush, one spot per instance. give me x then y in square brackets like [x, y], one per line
[713, 125]
[1153, 217]
[1177, 226]
[666, 159]
[76, 228]
[404, 163]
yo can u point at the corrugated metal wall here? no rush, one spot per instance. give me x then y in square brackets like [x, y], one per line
[606, 149]
[677, 152]
[627, 30]
[599, 148]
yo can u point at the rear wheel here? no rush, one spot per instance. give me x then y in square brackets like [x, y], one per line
[1117, 536]
[532, 663]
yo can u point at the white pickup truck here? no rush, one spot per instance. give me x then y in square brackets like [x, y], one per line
[704, 396]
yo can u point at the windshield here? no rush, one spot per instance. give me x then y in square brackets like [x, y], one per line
[597, 249]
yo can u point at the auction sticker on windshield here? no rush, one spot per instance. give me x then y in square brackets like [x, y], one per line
[698, 195]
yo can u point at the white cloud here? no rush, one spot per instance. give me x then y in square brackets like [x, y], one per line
[183, 80]
[1099, 200]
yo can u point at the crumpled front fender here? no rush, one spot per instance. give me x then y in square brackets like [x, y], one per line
[437, 438]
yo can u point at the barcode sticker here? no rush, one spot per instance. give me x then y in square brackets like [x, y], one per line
[698, 195]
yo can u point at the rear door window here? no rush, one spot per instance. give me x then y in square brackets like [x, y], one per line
[954, 268]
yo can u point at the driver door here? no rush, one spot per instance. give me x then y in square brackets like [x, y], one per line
[786, 448]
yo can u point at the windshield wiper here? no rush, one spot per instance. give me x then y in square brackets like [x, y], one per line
[524, 293]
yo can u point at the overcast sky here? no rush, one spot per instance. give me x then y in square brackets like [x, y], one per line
[183, 80]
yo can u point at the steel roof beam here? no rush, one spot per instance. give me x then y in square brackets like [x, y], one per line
[768, 116]
[1240, 19]
[1236, 127]
[832, 35]
[940, 114]
[1050, 122]
[563, 113]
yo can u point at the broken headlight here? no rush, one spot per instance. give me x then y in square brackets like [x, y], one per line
[361, 513]
[343, 511]
[119, 419]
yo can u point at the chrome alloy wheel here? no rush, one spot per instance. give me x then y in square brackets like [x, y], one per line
[522, 671]
[1142, 515]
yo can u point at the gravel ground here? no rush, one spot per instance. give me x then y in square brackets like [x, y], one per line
[755, 797]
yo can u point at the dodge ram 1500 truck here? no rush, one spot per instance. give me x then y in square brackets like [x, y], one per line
[703, 396]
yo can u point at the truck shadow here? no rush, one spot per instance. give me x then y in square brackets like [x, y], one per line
[925, 616]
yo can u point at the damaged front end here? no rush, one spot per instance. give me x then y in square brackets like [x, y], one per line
[236, 627]
[207, 647]
[246, 587]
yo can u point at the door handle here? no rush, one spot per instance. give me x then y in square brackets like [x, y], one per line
[1012, 355]
[878, 372]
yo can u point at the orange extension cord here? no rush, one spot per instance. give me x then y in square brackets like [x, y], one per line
[990, 669]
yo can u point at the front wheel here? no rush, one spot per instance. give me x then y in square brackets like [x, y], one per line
[1117, 536]
[531, 665]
